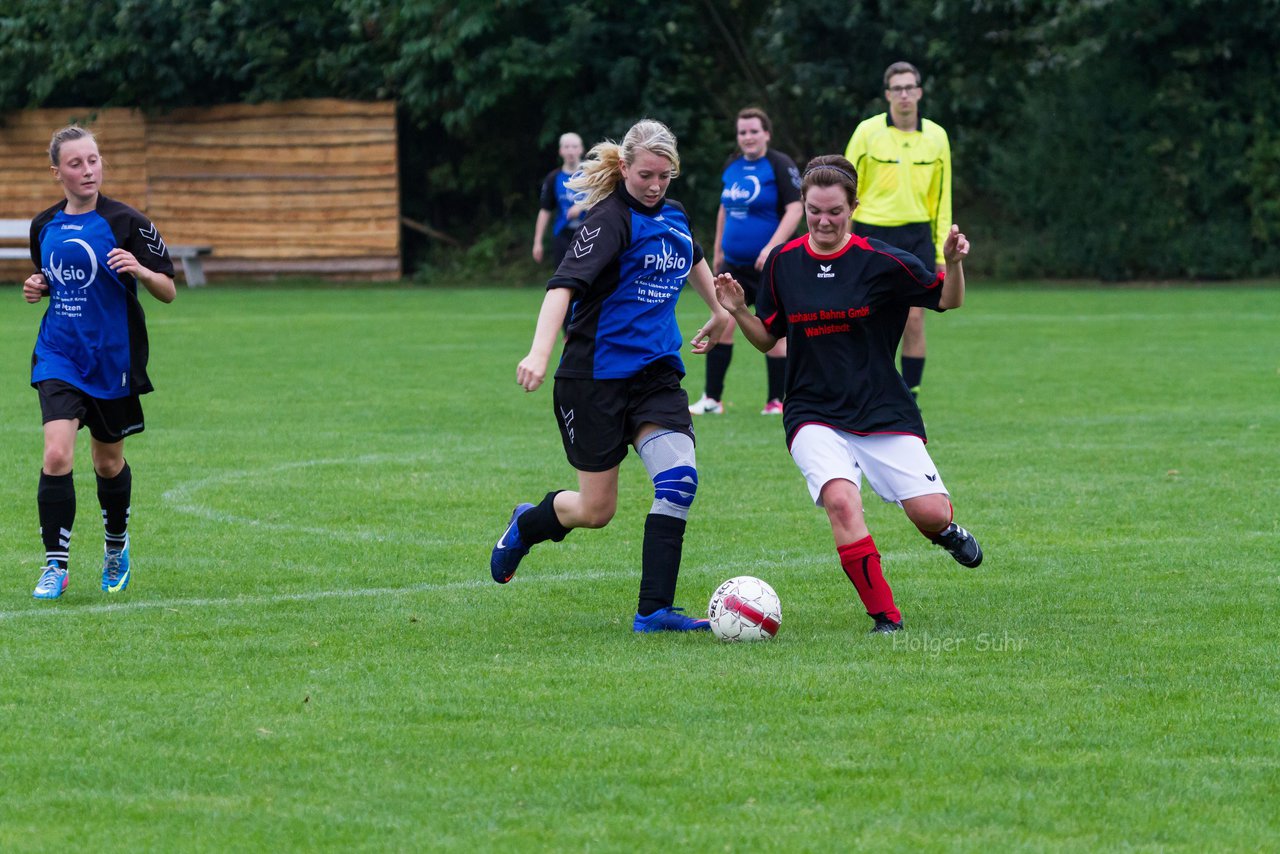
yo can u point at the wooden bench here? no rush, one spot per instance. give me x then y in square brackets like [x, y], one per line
[15, 229]
[192, 266]
[20, 229]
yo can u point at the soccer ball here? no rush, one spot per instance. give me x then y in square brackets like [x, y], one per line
[744, 608]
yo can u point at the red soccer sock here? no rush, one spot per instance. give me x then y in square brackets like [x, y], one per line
[861, 562]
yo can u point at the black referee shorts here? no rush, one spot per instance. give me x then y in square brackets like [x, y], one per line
[914, 237]
[109, 421]
[599, 418]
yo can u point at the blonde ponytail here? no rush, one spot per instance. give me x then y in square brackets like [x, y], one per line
[599, 174]
[602, 169]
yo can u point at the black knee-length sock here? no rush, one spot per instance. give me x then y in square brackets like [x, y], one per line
[913, 371]
[717, 367]
[776, 369]
[56, 500]
[541, 523]
[115, 495]
[660, 562]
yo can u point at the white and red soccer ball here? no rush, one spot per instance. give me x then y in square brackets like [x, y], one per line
[744, 608]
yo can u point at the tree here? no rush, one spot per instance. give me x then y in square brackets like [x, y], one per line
[1115, 138]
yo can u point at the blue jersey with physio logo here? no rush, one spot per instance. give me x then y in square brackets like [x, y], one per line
[93, 334]
[555, 196]
[755, 193]
[626, 267]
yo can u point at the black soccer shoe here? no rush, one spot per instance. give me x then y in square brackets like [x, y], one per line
[960, 544]
[884, 626]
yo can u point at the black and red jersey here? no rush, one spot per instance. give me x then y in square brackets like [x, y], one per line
[843, 315]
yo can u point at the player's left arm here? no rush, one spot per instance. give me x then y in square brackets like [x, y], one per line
[704, 283]
[786, 228]
[787, 181]
[142, 254]
[942, 211]
[160, 285]
[954, 249]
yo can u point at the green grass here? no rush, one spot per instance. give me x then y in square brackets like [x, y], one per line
[311, 655]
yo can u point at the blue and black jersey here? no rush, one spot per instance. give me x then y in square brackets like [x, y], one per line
[626, 269]
[94, 333]
[555, 196]
[755, 196]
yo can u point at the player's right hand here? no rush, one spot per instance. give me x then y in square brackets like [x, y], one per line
[35, 288]
[531, 372]
[729, 293]
[956, 246]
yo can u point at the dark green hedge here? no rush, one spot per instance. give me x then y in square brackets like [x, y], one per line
[1131, 138]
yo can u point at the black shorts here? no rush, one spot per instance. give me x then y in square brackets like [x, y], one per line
[109, 421]
[599, 418]
[914, 237]
[748, 276]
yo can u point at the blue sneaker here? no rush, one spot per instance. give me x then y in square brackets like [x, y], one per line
[669, 620]
[115, 569]
[508, 552]
[53, 581]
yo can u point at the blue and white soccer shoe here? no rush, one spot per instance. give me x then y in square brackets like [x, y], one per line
[115, 568]
[52, 583]
[507, 554]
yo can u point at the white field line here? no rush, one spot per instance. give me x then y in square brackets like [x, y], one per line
[182, 499]
[66, 610]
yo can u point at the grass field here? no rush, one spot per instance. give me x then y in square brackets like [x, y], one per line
[311, 655]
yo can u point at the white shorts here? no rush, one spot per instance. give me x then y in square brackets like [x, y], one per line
[896, 465]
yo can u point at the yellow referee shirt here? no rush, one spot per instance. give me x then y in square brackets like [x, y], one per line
[903, 177]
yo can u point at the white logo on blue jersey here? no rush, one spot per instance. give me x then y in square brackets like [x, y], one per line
[736, 194]
[71, 270]
[749, 196]
[667, 259]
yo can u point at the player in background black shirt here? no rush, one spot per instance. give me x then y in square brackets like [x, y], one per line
[841, 302]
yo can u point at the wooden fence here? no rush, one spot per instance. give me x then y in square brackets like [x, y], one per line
[297, 187]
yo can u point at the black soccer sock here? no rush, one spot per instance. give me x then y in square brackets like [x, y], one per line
[660, 562]
[913, 371]
[115, 495]
[541, 523]
[56, 500]
[717, 367]
[776, 369]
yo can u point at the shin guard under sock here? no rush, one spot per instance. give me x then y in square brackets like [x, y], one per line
[114, 496]
[660, 562]
[56, 501]
[861, 562]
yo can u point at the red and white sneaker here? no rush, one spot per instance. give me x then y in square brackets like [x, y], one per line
[773, 407]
